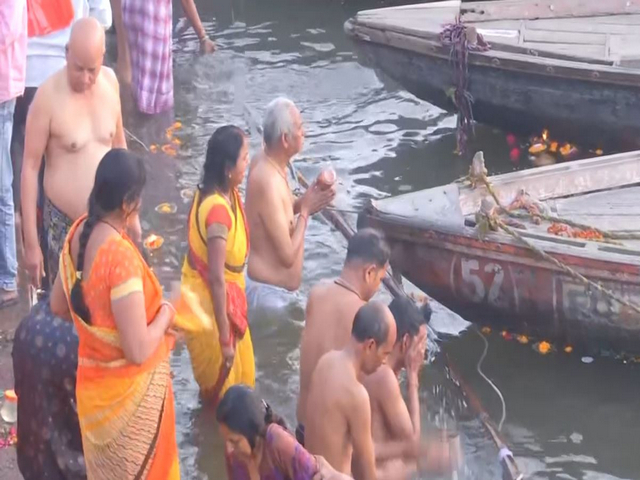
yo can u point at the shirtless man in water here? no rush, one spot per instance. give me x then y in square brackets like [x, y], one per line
[74, 120]
[338, 424]
[391, 419]
[332, 307]
[278, 221]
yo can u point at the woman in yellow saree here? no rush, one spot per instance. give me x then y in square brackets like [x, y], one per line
[214, 268]
[124, 393]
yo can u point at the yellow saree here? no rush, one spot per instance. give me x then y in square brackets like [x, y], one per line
[126, 411]
[214, 213]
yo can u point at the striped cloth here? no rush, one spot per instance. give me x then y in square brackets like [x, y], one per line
[148, 24]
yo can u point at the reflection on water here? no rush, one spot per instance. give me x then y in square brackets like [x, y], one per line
[565, 419]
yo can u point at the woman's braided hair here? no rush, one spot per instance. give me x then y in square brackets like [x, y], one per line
[119, 181]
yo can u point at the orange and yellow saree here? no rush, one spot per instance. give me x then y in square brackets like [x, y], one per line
[126, 411]
[213, 213]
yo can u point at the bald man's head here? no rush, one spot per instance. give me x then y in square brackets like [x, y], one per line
[85, 52]
[374, 328]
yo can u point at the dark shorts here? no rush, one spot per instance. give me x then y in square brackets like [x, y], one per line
[300, 434]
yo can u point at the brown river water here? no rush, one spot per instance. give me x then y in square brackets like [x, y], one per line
[564, 419]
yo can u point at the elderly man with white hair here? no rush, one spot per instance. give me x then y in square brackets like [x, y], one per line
[277, 220]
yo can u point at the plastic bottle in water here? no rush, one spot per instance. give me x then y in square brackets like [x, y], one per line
[9, 410]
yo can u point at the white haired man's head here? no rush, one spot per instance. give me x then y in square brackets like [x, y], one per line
[282, 127]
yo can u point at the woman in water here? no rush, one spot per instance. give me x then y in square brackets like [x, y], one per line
[124, 392]
[258, 444]
[214, 268]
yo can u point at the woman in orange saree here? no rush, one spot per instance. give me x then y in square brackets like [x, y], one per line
[214, 268]
[124, 392]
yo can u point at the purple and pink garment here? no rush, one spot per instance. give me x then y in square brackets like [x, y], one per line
[149, 35]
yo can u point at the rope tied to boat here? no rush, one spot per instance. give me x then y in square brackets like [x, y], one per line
[462, 39]
[493, 220]
[534, 211]
[488, 219]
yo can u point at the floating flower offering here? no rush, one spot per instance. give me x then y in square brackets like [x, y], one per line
[523, 339]
[168, 149]
[166, 208]
[537, 148]
[9, 437]
[506, 335]
[187, 193]
[568, 349]
[543, 347]
[486, 330]
[153, 242]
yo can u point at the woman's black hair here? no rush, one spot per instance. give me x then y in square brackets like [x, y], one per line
[223, 150]
[119, 181]
[243, 412]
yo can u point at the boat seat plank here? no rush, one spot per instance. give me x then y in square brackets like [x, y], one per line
[546, 36]
[581, 25]
[526, 9]
[624, 51]
[503, 41]
[396, 15]
[569, 49]
[616, 20]
[452, 5]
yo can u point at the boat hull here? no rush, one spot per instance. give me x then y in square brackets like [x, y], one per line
[516, 100]
[508, 287]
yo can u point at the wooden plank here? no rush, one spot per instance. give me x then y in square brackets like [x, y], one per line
[534, 9]
[624, 51]
[580, 25]
[443, 5]
[511, 57]
[546, 36]
[617, 20]
[569, 49]
[421, 19]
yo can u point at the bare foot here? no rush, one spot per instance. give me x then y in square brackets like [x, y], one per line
[8, 298]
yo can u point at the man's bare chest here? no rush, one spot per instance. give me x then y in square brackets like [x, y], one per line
[84, 123]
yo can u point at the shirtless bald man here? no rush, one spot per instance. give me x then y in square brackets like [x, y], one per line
[339, 414]
[277, 221]
[332, 307]
[74, 120]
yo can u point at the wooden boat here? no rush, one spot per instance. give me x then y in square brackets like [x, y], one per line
[500, 281]
[572, 66]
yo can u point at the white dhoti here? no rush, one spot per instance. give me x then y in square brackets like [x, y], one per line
[265, 299]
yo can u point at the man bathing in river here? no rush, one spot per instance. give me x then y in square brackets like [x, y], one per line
[332, 306]
[390, 417]
[391, 420]
[74, 120]
[278, 221]
[340, 427]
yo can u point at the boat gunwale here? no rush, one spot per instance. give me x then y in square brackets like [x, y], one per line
[620, 162]
[567, 67]
[554, 245]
